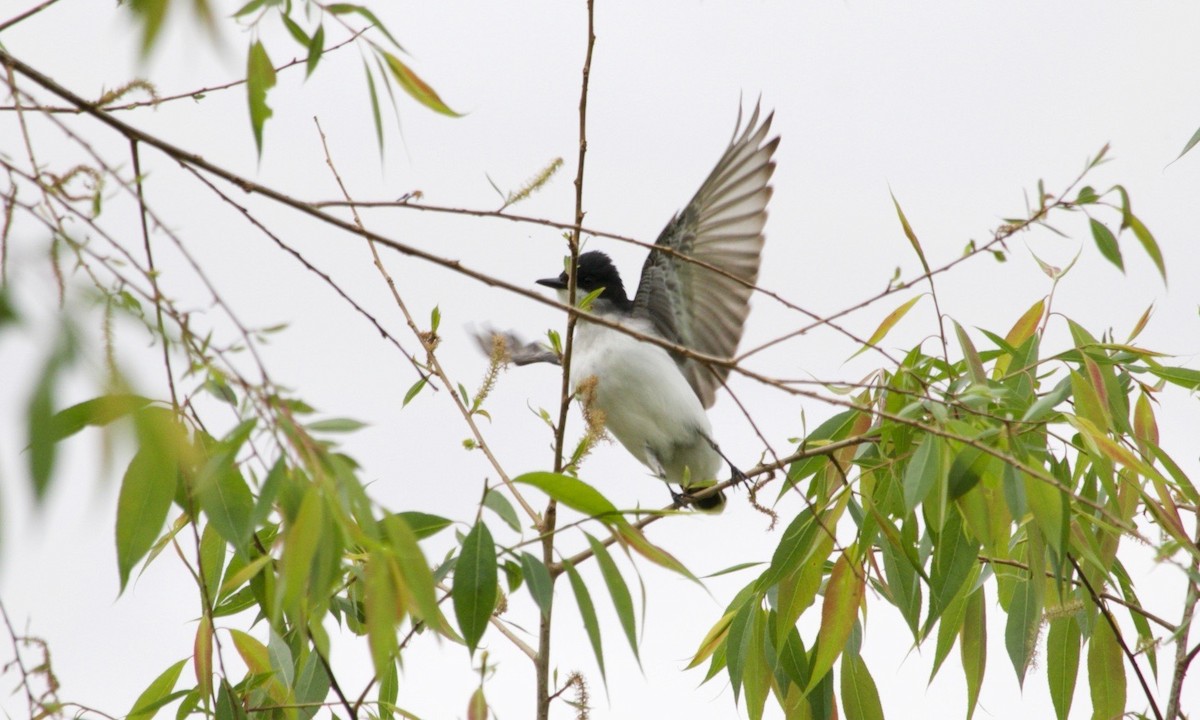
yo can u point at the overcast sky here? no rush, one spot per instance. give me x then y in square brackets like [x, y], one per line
[957, 108]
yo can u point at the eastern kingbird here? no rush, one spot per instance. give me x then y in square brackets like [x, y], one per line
[694, 292]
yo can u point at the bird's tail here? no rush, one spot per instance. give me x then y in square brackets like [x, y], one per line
[713, 503]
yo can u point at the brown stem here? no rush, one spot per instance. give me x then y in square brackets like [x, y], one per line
[1182, 657]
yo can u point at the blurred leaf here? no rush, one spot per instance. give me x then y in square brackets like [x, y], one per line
[474, 589]
[258, 660]
[98, 412]
[415, 86]
[537, 579]
[151, 14]
[315, 48]
[300, 547]
[382, 608]
[887, 324]
[260, 78]
[343, 8]
[293, 29]
[1106, 673]
[336, 425]
[414, 569]
[843, 595]
[587, 612]
[157, 693]
[618, 591]
[1107, 243]
[477, 708]
[389, 690]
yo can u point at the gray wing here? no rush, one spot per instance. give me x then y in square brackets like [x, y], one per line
[516, 350]
[695, 306]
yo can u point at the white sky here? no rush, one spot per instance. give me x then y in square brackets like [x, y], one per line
[959, 108]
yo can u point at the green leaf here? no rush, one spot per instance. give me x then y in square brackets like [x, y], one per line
[618, 591]
[343, 8]
[389, 690]
[380, 605]
[229, 705]
[888, 323]
[375, 116]
[924, 471]
[587, 611]
[1062, 663]
[1024, 621]
[1106, 673]
[151, 13]
[315, 48]
[954, 556]
[146, 491]
[156, 693]
[293, 29]
[226, 500]
[474, 589]
[422, 524]
[300, 547]
[1045, 404]
[537, 579]
[573, 493]
[1183, 377]
[1190, 144]
[843, 595]
[98, 412]
[971, 356]
[415, 86]
[497, 503]
[260, 78]
[1148, 244]
[1107, 243]
[972, 646]
[414, 570]
[860, 697]
[312, 685]
[419, 385]
[336, 425]
[908, 233]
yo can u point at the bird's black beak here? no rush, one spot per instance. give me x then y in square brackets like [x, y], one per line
[558, 283]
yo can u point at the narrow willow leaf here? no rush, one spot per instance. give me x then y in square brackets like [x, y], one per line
[155, 694]
[715, 636]
[1045, 404]
[1024, 621]
[1107, 243]
[497, 503]
[343, 8]
[389, 691]
[1106, 673]
[336, 425]
[618, 590]
[416, 87]
[408, 560]
[954, 556]
[380, 603]
[422, 524]
[312, 686]
[737, 644]
[972, 645]
[860, 697]
[1183, 377]
[587, 611]
[474, 589]
[632, 537]
[202, 648]
[300, 548]
[1191, 143]
[229, 704]
[212, 558]
[1149, 245]
[756, 676]
[146, 493]
[904, 584]
[258, 659]
[949, 628]
[537, 579]
[925, 470]
[971, 356]
[572, 492]
[1062, 663]
[908, 233]
[260, 78]
[96, 412]
[843, 595]
[888, 323]
[281, 659]
[799, 540]
[477, 707]
[315, 48]
[1020, 332]
[293, 29]
[151, 13]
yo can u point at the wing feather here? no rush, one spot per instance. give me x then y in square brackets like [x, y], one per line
[692, 305]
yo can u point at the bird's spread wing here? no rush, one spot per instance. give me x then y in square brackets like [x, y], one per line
[512, 348]
[702, 305]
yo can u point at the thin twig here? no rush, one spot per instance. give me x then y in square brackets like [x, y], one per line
[26, 15]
